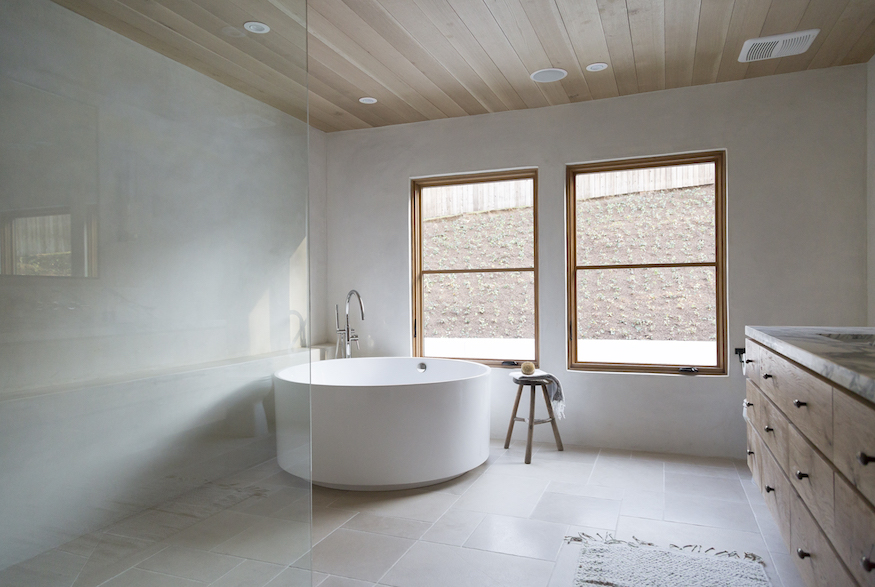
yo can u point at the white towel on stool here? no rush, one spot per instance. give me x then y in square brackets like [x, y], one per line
[554, 389]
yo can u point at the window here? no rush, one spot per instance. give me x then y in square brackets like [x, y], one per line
[48, 243]
[475, 267]
[646, 277]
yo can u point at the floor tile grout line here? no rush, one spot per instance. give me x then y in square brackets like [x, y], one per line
[244, 530]
[281, 571]
[88, 558]
[242, 560]
[135, 567]
[127, 569]
[409, 548]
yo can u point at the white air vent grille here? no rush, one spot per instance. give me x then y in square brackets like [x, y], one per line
[777, 46]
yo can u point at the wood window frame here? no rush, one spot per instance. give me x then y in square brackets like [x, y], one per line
[83, 240]
[416, 186]
[718, 158]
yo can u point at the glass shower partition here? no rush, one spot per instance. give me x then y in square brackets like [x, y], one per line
[153, 276]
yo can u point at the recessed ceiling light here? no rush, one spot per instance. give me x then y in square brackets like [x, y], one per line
[368, 100]
[543, 76]
[256, 27]
[596, 66]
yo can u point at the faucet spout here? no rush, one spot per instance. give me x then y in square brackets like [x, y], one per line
[361, 305]
[350, 335]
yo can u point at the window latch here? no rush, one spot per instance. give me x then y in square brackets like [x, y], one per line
[688, 370]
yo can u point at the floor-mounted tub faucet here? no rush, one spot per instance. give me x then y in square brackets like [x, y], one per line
[346, 336]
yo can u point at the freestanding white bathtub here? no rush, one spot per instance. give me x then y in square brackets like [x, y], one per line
[383, 422]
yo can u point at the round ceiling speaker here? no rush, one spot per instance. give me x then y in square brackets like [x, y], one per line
[551, 74]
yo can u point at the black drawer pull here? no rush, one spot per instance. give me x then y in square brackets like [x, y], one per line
[749, 453]
[867, 564]
[800, 475]
[799, 404]
[769, 489]
[747, 403]
[768, 428]
[802, 554]
[864, 459]
[767, 376]
[748, 360]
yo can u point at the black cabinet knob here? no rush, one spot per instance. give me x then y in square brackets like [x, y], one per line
[747, 403]
[864, 459]
[769, 489]
[767, 376]
[867, 564]
[800, 475]
[768, 428]
[799, 404]
[802, 554]
[749, 453]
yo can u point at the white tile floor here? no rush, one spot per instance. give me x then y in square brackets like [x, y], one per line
[501, 525]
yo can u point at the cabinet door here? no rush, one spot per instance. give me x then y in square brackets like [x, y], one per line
[752, 360]
[817, 562]
[855, 441]
[776, 491]
[773, 431]
[812, 478]
[856, 539]
[754, 404]
[754, 454]
[769, 362]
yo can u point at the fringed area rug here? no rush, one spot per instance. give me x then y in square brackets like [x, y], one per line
[608, 562]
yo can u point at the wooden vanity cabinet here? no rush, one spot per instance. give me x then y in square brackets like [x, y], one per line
[812, 441]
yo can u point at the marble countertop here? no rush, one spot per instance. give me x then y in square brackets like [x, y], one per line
[844, 355]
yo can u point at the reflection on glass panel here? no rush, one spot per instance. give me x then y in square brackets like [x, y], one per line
[149, 384]
[479, 315]
[650, 215]
[41, 245]
[652, 316]
[478, 225]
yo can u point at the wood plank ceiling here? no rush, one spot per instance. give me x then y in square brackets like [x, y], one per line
[432, 59]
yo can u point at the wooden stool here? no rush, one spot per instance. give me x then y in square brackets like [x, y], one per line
[532, 382]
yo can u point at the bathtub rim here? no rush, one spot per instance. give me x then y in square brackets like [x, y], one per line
[308, 366]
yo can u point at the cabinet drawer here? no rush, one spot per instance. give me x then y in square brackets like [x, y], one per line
[776, 491]
[752, 361]
[812, 478]
[817, 562]
[804, 399]
[773, 431]
[769, 365]
[855, 442]
[754, 405]
[856, 541]
[754, 455]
